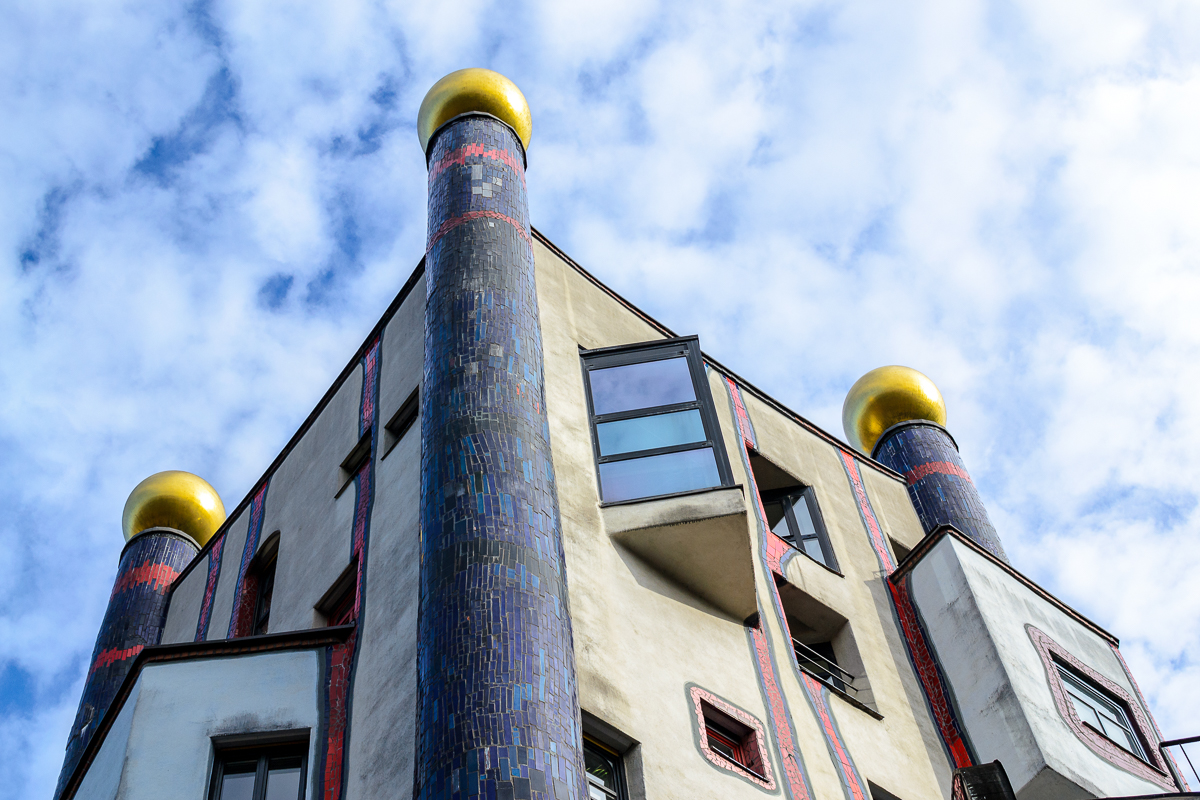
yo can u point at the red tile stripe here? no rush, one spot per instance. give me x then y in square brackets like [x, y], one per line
[874, 532]
[244, 598]
[113, 655]
[795, 780]
[818, 695]
[454, 222]
[934, 468]
[160, 576]
[460, 156]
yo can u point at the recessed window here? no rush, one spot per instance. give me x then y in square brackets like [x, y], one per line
[266, 589]
[400, 423]
[336, 607]
[604, 774]
[654, 429]
[1103, 712]
[793, 516]
[732, 740]
[264, 773]
[353, 462]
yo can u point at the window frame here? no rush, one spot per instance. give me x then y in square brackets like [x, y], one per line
[785, 496]
[646, 352]
[618, 764]
[264, 590]
[263, 753]
[1075, 683]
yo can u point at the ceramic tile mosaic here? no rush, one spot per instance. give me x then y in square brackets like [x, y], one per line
[941, 490]
[498, 711]
[137, 610]
[245, 591]
[210, 587]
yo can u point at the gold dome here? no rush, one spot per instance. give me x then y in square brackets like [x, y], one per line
[473, 89]
[174, 499]
[885, 397]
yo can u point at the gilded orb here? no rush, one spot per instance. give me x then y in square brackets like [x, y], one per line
[885, 397]
[174, 499]
[473, 89]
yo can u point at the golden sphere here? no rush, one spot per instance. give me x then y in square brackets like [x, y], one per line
[887, 396]
[174, 499]
[473, 89]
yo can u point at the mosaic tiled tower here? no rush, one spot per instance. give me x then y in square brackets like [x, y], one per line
[897, 415]
[498, 710]
[167, 518]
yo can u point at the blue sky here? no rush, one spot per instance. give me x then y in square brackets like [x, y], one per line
[207, 206]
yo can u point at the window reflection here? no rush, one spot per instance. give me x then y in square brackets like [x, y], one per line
[655, 475]
[648, 433]
[645, 385]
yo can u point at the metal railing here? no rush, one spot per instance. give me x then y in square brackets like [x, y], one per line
[1176, 751]
[823, 669]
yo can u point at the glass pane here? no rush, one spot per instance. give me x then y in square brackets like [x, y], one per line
[283, 779]
[647, 433]
[238, 781]
[812, 546]
[1085, 711]
[600, 768]
[655, 475]
[777, 519]
[651, 383]
[803, 516]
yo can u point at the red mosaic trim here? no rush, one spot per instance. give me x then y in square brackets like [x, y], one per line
[337, 707]
[1145, 707]
[698, 695]
[789, 751]
[874, 531]
[454, 222]
[210, 588]
[818, 695]
[1101, 745]
[245, 592]
[113, 655]
[935, 468]
[459, 157]
[928, 674]
[160, 576]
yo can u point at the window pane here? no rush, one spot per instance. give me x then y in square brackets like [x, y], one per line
[778, 521]
[238, 782]
[283, 779]
[651, 383]
[803, 516]
[600, 769]
[812, 546]
[655, 475]
[647, 433]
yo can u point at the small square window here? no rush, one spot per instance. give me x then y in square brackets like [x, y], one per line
[1101, 711]
[403, 420]
[276, 772]
[733, 740]
[353, 462]
[654, 428]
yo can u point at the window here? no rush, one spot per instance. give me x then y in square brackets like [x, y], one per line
[266, 588]
[604, 775]
[262, 773]
[1098, 709]
[732, 740]
[401, 421]
[353, 462]
[654, 429]
[819, 660]
[793, 516]
[336, 607]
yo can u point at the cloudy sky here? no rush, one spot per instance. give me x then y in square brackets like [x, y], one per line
[207, 206]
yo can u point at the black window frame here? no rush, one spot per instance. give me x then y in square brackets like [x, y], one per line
[1073, 679]
[786, 497]
[264, 592]
[263, 753]
[645, 352]
[616, 760]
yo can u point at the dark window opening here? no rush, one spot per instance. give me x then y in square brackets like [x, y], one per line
[880, 794]
[819, 660]
[732, 740]
[263, 773]
[654, 428]
[792, 511]
[353, 462]
[336, 607]
[605, 778]
[266, 588]
[1100, 711]
[900, 550]
[400, 423]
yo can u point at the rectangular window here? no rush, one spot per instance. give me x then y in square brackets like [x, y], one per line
[400, 423]
[1103, 712]
[336, 607]
[654, 428]
[794, 516]
[266, 588]
[604, 775]
[260, 773]
[732, 740]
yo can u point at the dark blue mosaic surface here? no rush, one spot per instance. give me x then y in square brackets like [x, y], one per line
[938, 483]
[137, 611]
[498, 712]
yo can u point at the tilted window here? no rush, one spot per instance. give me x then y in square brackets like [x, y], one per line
[794, 516]
[276, 772]
[654, 429]
[733, 740]
[1100, 710]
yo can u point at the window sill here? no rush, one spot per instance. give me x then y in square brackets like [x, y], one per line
[652, 498]
[821, 564]
[861, 706]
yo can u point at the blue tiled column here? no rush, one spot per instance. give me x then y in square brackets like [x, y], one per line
[137, 610]
[498, 713]
[940, 487]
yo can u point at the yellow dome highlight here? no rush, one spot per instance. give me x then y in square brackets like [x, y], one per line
[473, 89]
[885, 397]
[174, 499]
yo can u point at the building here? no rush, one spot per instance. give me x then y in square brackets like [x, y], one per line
[532, 544]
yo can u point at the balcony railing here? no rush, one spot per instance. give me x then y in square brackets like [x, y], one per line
[1185, 758]
[823, 669]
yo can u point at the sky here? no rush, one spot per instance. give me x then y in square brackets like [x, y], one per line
[207, 206]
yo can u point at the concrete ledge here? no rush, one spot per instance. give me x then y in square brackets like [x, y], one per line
[701, 541]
